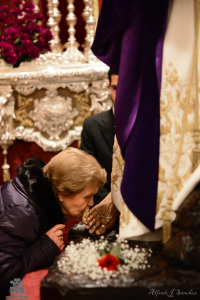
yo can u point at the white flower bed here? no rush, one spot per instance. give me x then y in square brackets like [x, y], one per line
[82, 259]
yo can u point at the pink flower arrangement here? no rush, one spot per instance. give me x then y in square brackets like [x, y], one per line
[21, 37]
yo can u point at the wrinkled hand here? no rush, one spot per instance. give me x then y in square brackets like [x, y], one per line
[102, 217]
[56, 234]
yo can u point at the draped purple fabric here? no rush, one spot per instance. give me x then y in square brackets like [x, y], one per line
[129, 39]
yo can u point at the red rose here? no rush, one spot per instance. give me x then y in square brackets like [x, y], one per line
[109, 261]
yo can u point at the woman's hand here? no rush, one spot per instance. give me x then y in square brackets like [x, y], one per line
[56, 234]
[102, 217]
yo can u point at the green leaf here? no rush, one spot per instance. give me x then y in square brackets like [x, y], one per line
[116, 250]
[121, 260]
[28, 58]
[8, 64]
[106, 250]
[102, 252]
[17, 40]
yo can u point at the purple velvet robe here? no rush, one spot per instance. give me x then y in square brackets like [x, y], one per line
[129, 39]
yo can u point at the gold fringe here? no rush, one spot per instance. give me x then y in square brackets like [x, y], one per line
[196, 151]
[195, 159]
[6, 176]
[167, 230]
[167, 226]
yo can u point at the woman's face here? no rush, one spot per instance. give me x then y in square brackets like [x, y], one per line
[75, 206]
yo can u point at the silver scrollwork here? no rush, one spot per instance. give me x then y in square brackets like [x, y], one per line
[100, 96]
[77, 87]
[30, 135]
[52, 73]
[53, 117]
[25, 89]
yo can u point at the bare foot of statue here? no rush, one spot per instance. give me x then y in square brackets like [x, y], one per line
[102, 217]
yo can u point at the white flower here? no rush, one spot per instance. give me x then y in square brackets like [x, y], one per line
[82, 258]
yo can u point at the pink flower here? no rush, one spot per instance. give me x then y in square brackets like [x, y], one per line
[46, 48]
[16, 2]
[29, 17]
[7, 52]
[47, 35]
[33, 52]
[3, 7]
[32, 27]
[4, 47]
[11, 34]
[11, 59]
[24, 29]
[39, 17]
[3, 16]
[16, 12]
[41, 42]
[43, 45]
[19, 51]
[14, 23]
[28, 6]
[109, 261]
[27, 44]
[25, 37]
[21, 38]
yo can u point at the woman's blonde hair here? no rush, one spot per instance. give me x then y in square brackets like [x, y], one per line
[72, 169]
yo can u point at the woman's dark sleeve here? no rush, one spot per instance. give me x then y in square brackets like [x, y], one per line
[15, 259]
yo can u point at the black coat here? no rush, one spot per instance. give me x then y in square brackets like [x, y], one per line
[28, 208]
[97, 139]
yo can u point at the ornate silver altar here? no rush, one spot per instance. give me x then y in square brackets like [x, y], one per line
[46, 100]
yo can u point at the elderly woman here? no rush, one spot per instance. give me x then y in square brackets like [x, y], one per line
[35, 204]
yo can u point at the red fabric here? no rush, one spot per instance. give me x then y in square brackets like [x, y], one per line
[32, 280]
[20, 151]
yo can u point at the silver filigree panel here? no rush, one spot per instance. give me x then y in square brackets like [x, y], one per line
[51, 70]
[77, 87]
[53, 117]
[30, 135]
[100, 96]
[25, 89]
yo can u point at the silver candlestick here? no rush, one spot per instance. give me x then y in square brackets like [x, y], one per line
[53, 24]
[72, 54]
[88, 15]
